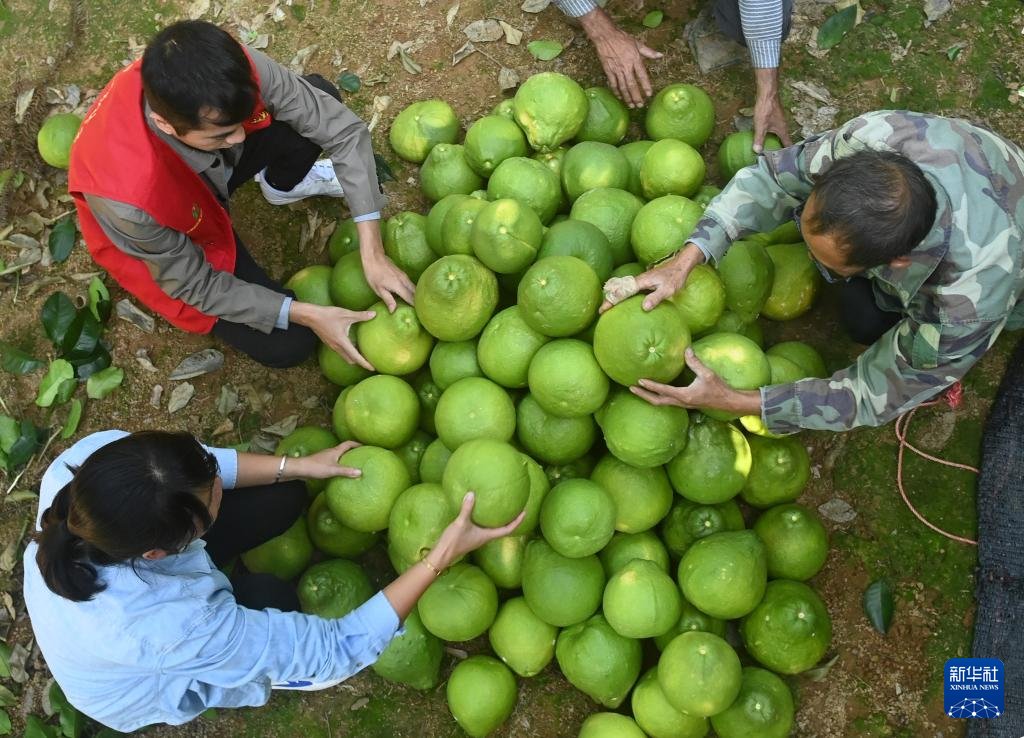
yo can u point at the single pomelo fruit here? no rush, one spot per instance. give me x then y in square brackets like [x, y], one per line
[285, 555]
[559, 296]
[731, 322]
[412, 452]
[699, 673]
[635, 151]
[582, 240]
[382, 410]
[681, 111]
[560, 590]
[639, 433]
[607, 117]
[421, 126]
[550, 438]
[530, 182]
[550, 108]
[460, 604]
[612, 211]
[739, 362]
[505, 109]
[656, 715]
[764, 707]
[737, 152]
[418, 517]
[629, 269]
[474, 408]
[348, 286]
[747, 273]
[490, 141]
[590, 164]
[706, 194]
[507, 346]
[780, 469]
[702, 299]
[506, 236]
[395, 343]
[435, 221]
[405, 243]
[428, 394]
[662, 226]
[631, 343]
[332, 536]
[577, 518]
[496, 473]
[795, 540]
[336, 369]
[784, 371]
[566, 380]
[796, 282]
[641, 600]
[688, 522]
[642, 496]
[610, 725]
[457, 226]
[338, 424]
[502, 560]
[714, 465]
[364, 503]
[725, 574]
[311, 284]
[413, 658]
[625, 547]
[804, 356]
[539, 488]
[344, 240]
[598, 661]
[671, 167]
[446, 171]
[481, 695]
[303, 441]
[521, 639]
[55, 138]
[691, 619]
[581, 468]
[334, 588]
[434, 460]
[451, 361]
[455, 297]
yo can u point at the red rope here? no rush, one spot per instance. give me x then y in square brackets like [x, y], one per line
[952, 397]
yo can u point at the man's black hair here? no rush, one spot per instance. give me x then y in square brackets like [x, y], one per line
[877, 204]
[193, 72]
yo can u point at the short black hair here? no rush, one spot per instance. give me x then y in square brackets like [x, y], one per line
[877, 204]
[192, 72]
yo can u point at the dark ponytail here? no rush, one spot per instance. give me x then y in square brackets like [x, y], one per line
[146, 491]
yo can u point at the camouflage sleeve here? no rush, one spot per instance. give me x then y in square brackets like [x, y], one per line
[910, 364]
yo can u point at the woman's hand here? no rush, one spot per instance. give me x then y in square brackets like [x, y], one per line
[325, 464]
[707, 390]
[333, 325]
[386, 280]
[463, 535]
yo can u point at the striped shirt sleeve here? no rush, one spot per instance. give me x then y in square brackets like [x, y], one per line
[576, 8]
[762, 28]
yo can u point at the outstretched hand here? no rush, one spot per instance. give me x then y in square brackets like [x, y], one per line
[463, 536]
[707, 390]
[326, 464]
[662, 281]
[622, 57]
[388, 281]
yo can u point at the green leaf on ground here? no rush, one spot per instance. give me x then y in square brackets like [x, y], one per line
[384, 173]
[62, 239]
[71, 722]
[299, 11]
[58, 314]
[99, 300]
[5, 660]
[954, 51]
[74, 418]
[9, 432]
[5, 723]
[544, 50]
[837, 26]
[878, 605]
[16, 361]
[59, 376]
[82, 337]
[88, 366]
[36, 728]
[58, 701]
[7, 698]
[23, 448]
[653, 19]
[103, 382]
[350, 82]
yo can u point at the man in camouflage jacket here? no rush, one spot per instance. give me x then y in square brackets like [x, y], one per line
[957, 288]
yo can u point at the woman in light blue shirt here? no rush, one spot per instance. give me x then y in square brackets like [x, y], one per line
[136, 622]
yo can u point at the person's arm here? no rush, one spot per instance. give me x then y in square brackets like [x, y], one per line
[257, 469]
[762, 22]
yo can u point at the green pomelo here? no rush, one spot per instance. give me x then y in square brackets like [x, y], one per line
[285, 555]
[311, 284]
[763, 708]
[639, 433]
[490, 141]
[625, 547]
[457, 226]
[382, 410]
[530, 182]
[455, 297]
[612, 211]
[550, 108]
[55, 137]
[629, 269]
[395, 343]
[561, 591]
[577, 518]
[779, 471]
[681, 111]
[421, 126]
[434, 460]
[481, 695]
[598, 661]
[635, 151]
[332, 536]
[610, 725]
[739, 362]
[460, 604]
[607, 117]
[405, 243]
[790, 629]
[550, 438]
[737, 152]
[412, 452]
[784, 371]
[413, 658]
[506, 236]
[731, 322]
[706, 194]
[428, 394]
[474, 408]
[566, 380]
[496, 473]
[702, 299]
[795, 539]
[344, 240]
[364, 503]
[699, 674]
[505, 109]
[725, 574]
[559, 296]
[348, 286]
[687, 522]
[714, 465]
[336, 369]
[804, 356]
[521, 639]
[656, 715]
[631, 343]
[446, 172]
[341, 430]
[582, 240]
[671, 167]
[540, 485]
[303, 441]
[796, 282]
[642, 496]
[662, 226]
[506, 348]
[418, 517]
[334, 588]
[690, 619]
[747, 273]
[451, 361]
[502, 560]
[590, 164]
[435, 221]
[641, 600]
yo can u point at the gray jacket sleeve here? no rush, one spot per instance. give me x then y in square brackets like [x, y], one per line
[181, 270]
[319, 117]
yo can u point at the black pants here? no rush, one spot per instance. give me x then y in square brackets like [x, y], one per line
[287, 157]
[248, 517]
[727, 16]
[860, 317]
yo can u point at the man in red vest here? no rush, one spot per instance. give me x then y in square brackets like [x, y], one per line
[165, 145]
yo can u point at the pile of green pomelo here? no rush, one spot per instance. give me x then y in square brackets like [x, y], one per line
[662, 560]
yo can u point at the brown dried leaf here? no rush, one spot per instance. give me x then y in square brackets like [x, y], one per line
[450, 16]
[512, 35]
[198, 8]
[483, 31]
[408, 63]
[298, 62]
[467, 49]
[534, 6]
[22, 103]
[508, 79]
[360, 703]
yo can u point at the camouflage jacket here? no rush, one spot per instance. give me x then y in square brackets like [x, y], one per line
[965, 283]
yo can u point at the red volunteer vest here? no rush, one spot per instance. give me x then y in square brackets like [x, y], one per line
[117, 156]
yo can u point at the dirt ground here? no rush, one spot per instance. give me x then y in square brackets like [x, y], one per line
[967, 63]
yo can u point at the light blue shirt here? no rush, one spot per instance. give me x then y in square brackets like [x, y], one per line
[166, 640]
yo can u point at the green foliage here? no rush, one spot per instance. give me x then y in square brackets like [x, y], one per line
[878, 605]
[103, 382]
[837, 26]
[16, 361]
[58, 314]
[350, 82]
[653, 19]
[55, 384]
[62, 239]
[73, 419]
[544, 50]
[99, 300]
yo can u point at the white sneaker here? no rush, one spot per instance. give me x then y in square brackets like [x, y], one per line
[319, 180]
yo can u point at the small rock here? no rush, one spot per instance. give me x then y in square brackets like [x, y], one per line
[837, 510]
[156, 395]
[935, 9]
[360, 703]
[142, 357]
[283, 427]
[482, 31]
[711, 49]
[227, 403]
[180, 397]
[225, 427]
[198, 364]
[127, 311]
[507, 79]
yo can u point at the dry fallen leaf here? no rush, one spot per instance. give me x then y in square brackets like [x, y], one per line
[298, 62]
[197, 9]
[467, 49]
[180, 397]
[22, 103]
[512, 35]
[450, 16]
[508, 79]
[408, 63]
[534, 6]
[483, 31]
[380, 104]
